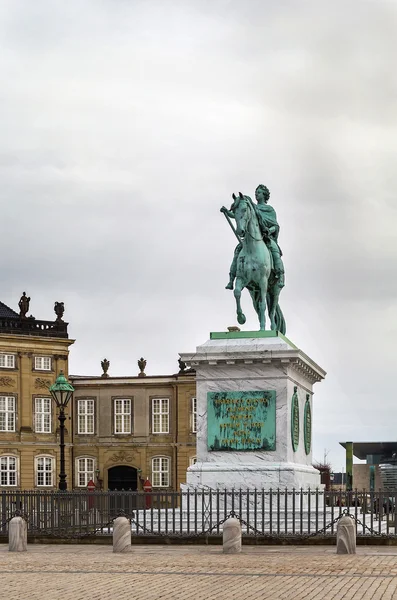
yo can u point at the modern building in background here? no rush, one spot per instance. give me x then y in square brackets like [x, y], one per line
[120, 431]
[32, 354]
[379, 472]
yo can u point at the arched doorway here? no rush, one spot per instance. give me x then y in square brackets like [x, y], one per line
[123, 478]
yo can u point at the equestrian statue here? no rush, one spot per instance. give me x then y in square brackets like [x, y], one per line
[257, 264]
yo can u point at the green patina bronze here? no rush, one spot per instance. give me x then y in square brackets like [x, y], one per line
[295, 420]
[230, 335]
[349, 466]
[307, 425]
[257, 264]
[241, 420]
[371, 478]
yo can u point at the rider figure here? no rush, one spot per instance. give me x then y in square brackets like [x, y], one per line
[269, 227]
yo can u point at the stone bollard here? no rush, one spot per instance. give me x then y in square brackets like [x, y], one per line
[17, 535]
[121, 535]
[346, 536]
[232, 536]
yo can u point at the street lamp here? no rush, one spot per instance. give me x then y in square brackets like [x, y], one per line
[61, 392]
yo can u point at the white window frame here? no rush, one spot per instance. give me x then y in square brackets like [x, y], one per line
[42, 417]
[14, 471]
[194, 414]
[125, 422]
[160, 409]
[9, 413]
[192, 460]
[48, 473]
[8, 360]
[161, 470]
[84, 416]
[87, 473]
[42, 363]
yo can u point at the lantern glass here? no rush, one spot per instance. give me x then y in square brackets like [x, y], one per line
[61, 391]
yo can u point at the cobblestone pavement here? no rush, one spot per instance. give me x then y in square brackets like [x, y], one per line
[78, 572]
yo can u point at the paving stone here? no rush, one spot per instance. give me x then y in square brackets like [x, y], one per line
[75, 572]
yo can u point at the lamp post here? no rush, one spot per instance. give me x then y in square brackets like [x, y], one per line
[61, 392]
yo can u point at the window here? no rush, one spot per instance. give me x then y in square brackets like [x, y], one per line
[7, 361]
[122, 415]
[85, 412]
[160, 472]
[8, 470]
[7, 413]
[42, 363]
[45, 467]
[194, 415]
[192, 460]
[85, 471]
[160, 415]
[42, 415]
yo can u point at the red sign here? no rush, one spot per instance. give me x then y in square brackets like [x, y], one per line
[91, 487]
[147, 488]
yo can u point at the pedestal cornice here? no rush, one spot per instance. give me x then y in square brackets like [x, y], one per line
[246, 350]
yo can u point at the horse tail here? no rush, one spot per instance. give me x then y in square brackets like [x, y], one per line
[280, 321]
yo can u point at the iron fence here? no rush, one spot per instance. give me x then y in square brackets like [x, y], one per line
[200, 512]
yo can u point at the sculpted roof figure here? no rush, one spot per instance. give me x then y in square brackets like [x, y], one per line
[257, 264]
[23, 305]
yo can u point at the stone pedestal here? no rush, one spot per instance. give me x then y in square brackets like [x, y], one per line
[17, 535]
[232, 536]
[254, 413]
[121, 535]
[346, 536]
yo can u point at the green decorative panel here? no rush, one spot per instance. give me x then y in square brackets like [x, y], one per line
[307, 425]
[241, 420]
[295, 420]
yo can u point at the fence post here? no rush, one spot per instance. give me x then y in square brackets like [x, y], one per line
[121, 535]
[232, 536]
[17, 535]
[346, 536]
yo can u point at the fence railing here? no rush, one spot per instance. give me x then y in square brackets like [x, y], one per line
[195, 513]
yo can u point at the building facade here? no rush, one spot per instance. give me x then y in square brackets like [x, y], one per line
[130, 429]
[32, 354]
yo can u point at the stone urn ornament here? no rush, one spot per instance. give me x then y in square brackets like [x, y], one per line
[142, 366]
[105, 364]
[59, 309]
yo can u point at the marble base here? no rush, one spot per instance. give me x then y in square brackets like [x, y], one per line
[248, 363]
[252, 476]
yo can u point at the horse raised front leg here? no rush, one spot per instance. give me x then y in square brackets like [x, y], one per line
[237, 294]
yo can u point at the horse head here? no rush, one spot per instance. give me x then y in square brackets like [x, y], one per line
[242, 213]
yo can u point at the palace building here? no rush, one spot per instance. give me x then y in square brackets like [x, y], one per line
[120, 431]
[129, 429]
[32, 354]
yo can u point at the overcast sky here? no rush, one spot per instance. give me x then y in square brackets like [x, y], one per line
[126, 125]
